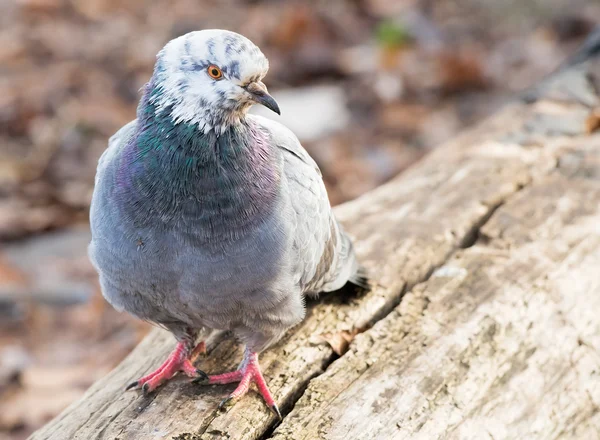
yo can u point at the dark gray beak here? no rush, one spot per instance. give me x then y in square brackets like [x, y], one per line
[261, 95]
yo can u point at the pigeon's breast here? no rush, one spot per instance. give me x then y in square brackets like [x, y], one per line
[173, 274]
[218, 280]
[191, 255]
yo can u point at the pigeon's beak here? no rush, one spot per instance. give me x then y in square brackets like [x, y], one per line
[260, 94]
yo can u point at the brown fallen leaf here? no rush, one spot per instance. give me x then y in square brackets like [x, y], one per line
[592, 122]
[340, 341]
[13, 281]
[460, 71]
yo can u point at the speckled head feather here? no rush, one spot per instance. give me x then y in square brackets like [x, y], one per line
[184, 87]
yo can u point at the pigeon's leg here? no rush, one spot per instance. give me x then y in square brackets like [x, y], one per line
[198, 350]
[178, 360]
[248, 372]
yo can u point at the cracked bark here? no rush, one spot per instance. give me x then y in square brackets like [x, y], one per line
[486, 346]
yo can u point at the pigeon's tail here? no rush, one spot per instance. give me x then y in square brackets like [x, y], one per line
[361, 278]
[346, 268]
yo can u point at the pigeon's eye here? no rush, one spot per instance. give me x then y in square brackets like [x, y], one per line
[214, 72]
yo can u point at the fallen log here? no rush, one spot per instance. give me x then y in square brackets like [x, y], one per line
[482, 322]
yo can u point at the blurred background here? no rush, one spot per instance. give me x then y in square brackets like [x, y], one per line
[369, 86]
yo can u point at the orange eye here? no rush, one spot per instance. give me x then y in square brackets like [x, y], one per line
[214, 72]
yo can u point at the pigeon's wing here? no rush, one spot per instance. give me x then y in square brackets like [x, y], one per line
[323, 253]
[115, 144]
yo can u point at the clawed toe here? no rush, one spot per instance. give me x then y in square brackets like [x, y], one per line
[146, 389]
[227, 403]
[276, 411]
[230, 401]
[249, 372]
[201, 375]
[202, 378]
[178, 361]
[132, 385]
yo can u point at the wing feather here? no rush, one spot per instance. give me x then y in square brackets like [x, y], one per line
[323, 255]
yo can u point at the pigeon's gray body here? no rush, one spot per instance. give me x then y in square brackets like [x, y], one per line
[196, 267]
[197, 230]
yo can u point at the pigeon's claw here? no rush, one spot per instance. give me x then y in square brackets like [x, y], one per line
[276, 411]
[132, 385]
[177, 361]
[190, 371]
[227, 403]
[249, 372]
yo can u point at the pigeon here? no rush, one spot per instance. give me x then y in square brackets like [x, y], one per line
[205, 217]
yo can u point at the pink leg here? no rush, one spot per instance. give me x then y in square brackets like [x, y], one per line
[178, 360]
[248, 372]
[189, 370]
[221, 379]
[199, 349]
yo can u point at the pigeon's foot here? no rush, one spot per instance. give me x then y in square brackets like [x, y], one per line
[249, 372]
[178, 360]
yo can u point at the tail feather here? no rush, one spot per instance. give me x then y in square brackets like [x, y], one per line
[361, 278]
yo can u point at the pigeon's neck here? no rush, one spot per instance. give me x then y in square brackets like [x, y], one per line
[177, 173]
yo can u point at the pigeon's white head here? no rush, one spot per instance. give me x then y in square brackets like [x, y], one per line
[210, 78]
